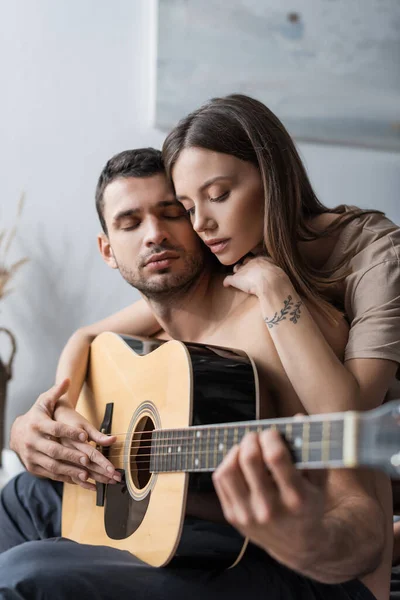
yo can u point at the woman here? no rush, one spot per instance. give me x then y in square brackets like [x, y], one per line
[238, 174]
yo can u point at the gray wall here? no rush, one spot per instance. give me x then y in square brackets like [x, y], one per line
[77, 86]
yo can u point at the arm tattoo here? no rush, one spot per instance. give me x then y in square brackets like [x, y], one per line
[289, 308]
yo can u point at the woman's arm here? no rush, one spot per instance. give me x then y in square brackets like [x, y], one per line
[311, 349]
[52, 438]
[136, 319]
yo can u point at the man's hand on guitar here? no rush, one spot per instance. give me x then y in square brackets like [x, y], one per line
[268, 500]
[58, 448]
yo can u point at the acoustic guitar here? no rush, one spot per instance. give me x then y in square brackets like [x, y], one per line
[176, 409]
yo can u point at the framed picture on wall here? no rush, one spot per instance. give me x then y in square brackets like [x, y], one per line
[328, 69]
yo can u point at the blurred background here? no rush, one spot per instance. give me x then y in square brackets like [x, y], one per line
[84, 79]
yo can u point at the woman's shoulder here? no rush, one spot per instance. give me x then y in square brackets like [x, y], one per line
[369, 238]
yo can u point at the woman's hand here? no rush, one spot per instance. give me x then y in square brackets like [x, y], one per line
[255, 275]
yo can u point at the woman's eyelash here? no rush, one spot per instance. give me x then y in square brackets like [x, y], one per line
[220, 198]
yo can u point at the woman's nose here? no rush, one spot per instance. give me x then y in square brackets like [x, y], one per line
[201, 222]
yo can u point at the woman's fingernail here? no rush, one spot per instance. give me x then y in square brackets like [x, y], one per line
[82, 437]
[84, 460]
[110, 469]
[82, 476]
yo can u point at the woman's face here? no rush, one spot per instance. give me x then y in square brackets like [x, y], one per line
[224, 197]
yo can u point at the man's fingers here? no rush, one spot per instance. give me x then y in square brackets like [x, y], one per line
[58, 470]
[60, 430]
[230, 483]
[287, 478]
[263, 493]
[98, 458]
[100, 438]
[100, 477]
[57, 451]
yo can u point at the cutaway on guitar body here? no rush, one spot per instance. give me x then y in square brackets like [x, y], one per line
[160, 390]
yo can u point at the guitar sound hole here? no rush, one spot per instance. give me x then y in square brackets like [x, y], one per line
[140, 452]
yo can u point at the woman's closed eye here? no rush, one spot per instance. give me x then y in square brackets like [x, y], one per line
[191, 211]
[220, 198]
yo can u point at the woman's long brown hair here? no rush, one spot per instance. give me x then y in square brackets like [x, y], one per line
[247, 129]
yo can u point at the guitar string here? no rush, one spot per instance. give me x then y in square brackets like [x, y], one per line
[239, 425]
[147, 443]
[216, 439]
[201, 466]
[194, 431]
[181, 468]
[309, 446]
[177, 442]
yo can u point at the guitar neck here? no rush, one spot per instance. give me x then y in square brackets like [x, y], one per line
[326, 441]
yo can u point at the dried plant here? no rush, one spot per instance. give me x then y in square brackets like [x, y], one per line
[6, 239]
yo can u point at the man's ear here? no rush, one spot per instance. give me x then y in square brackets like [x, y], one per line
[106, 251]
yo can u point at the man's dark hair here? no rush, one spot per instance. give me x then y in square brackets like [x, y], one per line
[143, 162]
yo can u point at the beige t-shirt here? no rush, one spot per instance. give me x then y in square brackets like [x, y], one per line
[372, 289]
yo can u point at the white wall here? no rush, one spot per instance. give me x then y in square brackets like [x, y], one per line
[76, 88]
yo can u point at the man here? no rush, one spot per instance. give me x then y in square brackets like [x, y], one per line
[308, 530]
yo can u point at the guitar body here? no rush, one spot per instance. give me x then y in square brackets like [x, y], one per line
[155, 385]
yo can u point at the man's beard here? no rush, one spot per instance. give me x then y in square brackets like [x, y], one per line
[165, 284]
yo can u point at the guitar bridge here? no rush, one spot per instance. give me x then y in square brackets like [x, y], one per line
[105, 427]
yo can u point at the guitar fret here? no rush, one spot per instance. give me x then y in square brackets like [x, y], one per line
[224, 449]
[197, 460]
[168, 451]
[305, 450]
[162, 453]
[193, 441]
[326, 429]
[187, 442]
[179, 450]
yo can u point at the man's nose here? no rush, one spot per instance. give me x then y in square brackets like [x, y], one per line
[155, 232]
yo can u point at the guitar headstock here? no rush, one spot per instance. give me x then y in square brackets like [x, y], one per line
[379, 438]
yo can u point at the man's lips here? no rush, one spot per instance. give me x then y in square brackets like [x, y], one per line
[161, 260]
[217, 245]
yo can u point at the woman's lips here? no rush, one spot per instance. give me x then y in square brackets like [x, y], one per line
[218, 246]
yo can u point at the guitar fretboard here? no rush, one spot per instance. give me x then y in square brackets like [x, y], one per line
[312, 442]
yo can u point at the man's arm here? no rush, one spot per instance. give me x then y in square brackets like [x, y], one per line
[330, 527]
